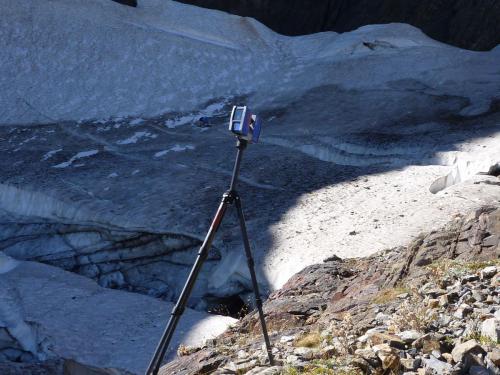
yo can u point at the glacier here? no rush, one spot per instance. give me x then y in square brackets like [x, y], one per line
[370, 137]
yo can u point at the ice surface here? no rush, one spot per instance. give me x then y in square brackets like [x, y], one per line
[111, 61]
[80, 155]
[97, 326]
[466, 165]
[136, 137]
[12, 315]
[212, 110]
[7, 263]
[137, 121]
[49, 154]
[176, 148]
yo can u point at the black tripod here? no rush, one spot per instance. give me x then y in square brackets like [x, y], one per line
[229, 197]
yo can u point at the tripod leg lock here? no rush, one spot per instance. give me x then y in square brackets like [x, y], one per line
[258, 302]
[203, 254]
[230, 196]
[177, 310]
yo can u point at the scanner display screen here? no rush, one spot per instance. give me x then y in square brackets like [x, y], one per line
[238, 114]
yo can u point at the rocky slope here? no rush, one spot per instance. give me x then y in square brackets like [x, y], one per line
[432, 306]
[466, 24]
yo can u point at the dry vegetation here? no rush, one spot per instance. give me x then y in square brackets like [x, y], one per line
[390, 294]
[454, 268]
[310, 340]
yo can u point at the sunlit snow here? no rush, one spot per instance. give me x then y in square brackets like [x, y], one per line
[80, 155]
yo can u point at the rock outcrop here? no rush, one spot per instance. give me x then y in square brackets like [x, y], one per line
[433, 305]
[466, 24]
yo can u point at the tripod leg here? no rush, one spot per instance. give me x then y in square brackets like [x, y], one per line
[179, 307]
[251, 268]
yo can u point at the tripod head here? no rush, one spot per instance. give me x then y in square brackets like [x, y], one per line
[246, 127]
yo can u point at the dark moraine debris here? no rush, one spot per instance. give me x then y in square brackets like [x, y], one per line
[131, 3]
[463, 23]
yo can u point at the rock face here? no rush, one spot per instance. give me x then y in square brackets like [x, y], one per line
[378, 314]
[466, 24]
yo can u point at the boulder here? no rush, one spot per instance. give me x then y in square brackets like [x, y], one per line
[428, 342]
[287, 339]
[388, 356]
[328, 351]
[491, 329]
[275, 370]
[369, 357]
[495, 280]
[494, 356]
[393, 341]
[491, 365]
[409, 336]
[304, 353]
[410, 364]
[463, 311]
[434, 366]
[488, 272]
[467, 350]
[362, 364]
